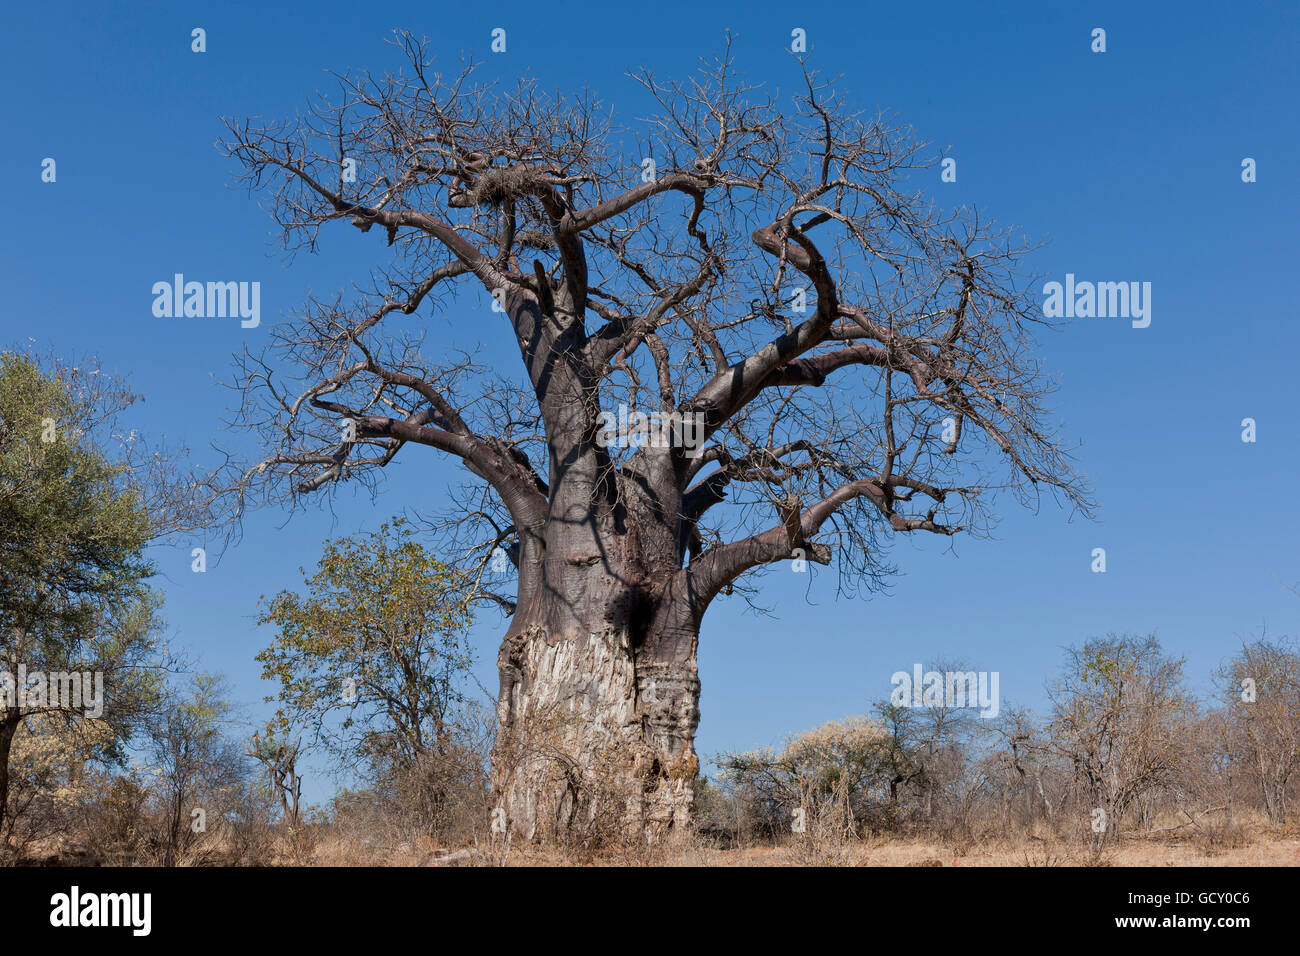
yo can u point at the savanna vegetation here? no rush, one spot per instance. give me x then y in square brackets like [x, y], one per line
[370, 668]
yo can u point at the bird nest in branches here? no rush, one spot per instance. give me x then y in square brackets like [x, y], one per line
[495, 186]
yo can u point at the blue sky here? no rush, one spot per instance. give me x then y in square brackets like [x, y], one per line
[1127, 162]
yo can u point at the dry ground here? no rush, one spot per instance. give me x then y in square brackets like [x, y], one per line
[1275, 849]
[328, 845]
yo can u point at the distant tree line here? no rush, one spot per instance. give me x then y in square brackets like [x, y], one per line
[1125, 748]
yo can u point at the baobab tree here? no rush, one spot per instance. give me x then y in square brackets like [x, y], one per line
[858, 364]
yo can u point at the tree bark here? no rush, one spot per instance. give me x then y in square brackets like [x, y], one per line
[597, 714]
[8, 727]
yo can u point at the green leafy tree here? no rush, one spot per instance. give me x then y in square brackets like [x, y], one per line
[372, 659]
[79, 502]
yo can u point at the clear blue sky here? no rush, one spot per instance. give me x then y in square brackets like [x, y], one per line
[1128, 162]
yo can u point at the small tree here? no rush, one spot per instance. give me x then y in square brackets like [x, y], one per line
[281, 762]
[1022, 765]
[1120, 715]
[372, 659]
[198, 772]
[900, 764]
[1261, 693]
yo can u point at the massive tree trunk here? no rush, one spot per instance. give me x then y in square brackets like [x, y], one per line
[596, 732]
[599, 696]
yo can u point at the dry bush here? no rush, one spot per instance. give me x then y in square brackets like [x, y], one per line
[48, 782]
[1213, 838]
[1043, 852]
[814, 794]
[113, 823]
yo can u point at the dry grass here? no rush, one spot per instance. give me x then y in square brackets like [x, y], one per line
[346, 852]
[1280, 848]
[922, 853]
[1245, 843]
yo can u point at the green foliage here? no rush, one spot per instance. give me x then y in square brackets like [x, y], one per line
[377, 640]
[72, 526]
[73, 529]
